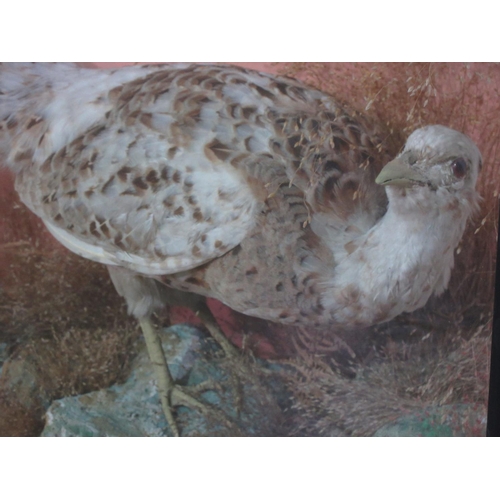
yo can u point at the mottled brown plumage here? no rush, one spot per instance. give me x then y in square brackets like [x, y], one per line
[256, 190]
[161, 153]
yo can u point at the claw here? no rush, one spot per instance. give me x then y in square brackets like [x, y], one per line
[171, 394]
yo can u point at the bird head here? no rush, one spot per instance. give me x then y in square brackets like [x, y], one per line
[434, 157]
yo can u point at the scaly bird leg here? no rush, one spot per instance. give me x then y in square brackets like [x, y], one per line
[164, 378]
[143, 296]
[207, 318]
[199, 306]
[170, 393]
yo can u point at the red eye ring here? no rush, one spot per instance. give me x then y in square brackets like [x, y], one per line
[459, 168]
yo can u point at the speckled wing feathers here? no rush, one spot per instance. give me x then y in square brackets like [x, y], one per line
[212, 179]
[184, 158]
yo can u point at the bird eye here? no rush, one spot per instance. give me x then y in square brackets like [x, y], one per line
[459, 167]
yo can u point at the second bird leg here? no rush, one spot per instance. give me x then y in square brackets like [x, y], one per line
[144, 296]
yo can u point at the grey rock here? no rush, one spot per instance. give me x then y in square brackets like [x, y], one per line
[133, 409]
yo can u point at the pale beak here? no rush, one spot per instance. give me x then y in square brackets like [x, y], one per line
[399, 173]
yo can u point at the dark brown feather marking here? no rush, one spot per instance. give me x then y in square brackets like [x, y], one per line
[197, 215]
[122, 173]
[108, 184]
[139, 182]
[217, 150]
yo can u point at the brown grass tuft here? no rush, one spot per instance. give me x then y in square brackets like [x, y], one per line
[394, 378]
[67, 329]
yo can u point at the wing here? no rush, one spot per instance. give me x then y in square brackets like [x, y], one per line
[184, 158]
[146, 188]
[115, 196]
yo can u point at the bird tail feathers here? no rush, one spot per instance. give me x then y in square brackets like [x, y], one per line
[25, 91]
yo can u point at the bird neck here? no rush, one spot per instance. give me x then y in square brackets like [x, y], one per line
[403, 259]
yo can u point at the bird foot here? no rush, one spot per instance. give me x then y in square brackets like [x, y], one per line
[173, 395]
[232, 353]
[190, 397]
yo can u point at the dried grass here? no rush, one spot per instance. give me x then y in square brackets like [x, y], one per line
[407, 369]
[66, 328]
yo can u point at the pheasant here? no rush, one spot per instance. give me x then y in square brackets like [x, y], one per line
[256, 190]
